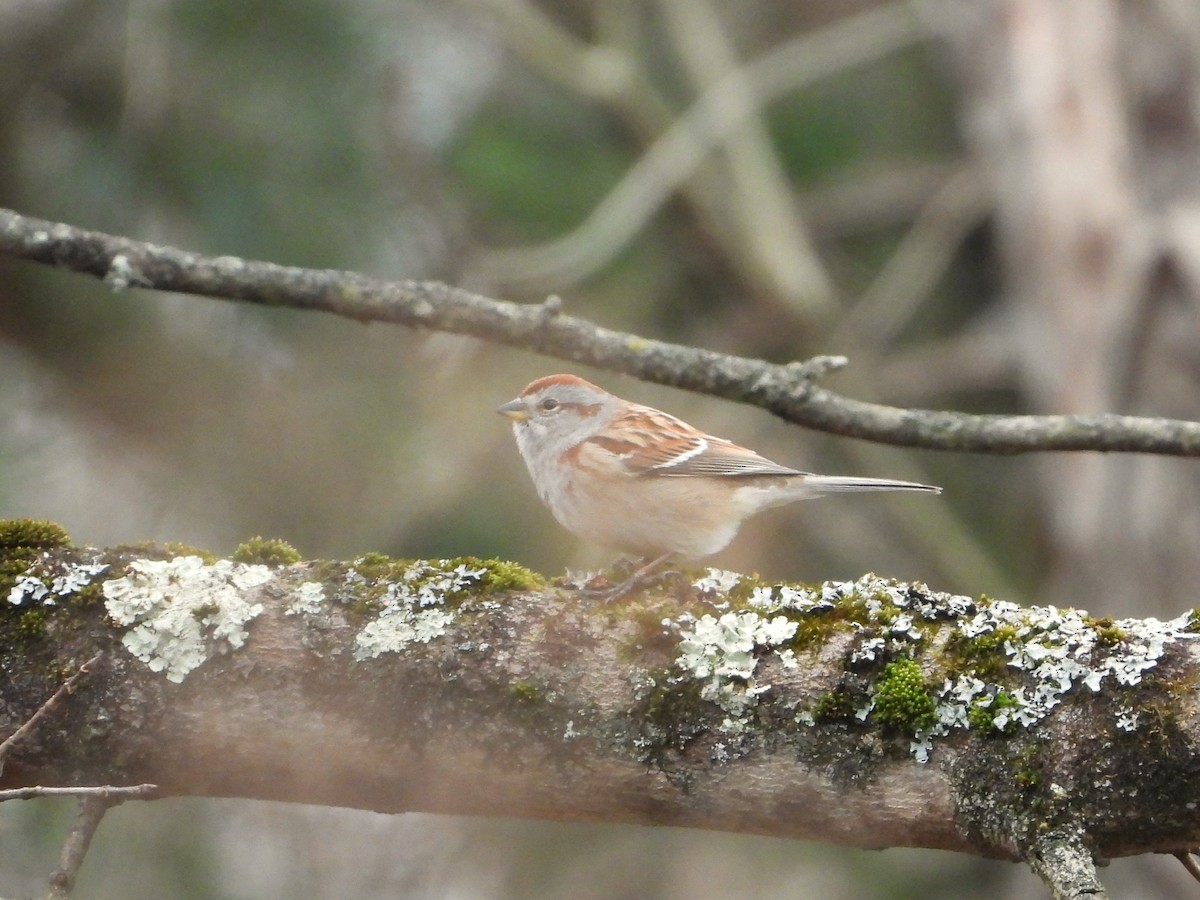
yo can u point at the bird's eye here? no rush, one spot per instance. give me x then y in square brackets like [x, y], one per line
[548, 404]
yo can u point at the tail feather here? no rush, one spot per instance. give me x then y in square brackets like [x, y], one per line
[834, 483]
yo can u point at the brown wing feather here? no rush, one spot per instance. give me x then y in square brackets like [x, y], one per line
[723, 459]
[642, 450]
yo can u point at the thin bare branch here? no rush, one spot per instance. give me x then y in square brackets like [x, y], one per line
[598, 72]
[88, 815]
[787, 391]
[87, 819]
[1188, 858]
[102, 791]
[33, 721]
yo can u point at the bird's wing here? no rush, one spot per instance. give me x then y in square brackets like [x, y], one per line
[649, 442]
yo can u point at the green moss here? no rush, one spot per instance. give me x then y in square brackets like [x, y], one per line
[649, 642]
[1193, 624]
[32, 623]
[502, 575]
[669, 716]
[1108, 633]
[266, 552]
[850, 613]
[982, 656]
[740, 593]
[37, 534]
[87, 596]
[815, 628]
[903, 703]
[525, 691]
[1026, 769]
[839, 705]
[373, 560]
[14, 563]
[534, 705]
[376, 571]
[982, 718]
[1026, 779]
[200, 612]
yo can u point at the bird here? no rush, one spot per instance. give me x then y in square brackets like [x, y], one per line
[637, 479]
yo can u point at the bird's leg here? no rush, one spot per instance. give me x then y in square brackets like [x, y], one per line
[639, 578]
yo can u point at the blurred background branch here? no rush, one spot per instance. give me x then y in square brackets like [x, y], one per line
[725, 112]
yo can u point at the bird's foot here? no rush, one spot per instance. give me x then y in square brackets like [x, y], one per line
[645, 574]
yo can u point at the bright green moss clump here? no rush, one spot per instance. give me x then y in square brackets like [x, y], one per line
[36, 534]
[507, 576]
[982, 717]
[1108, 632]
[902, 701]
[267, 552]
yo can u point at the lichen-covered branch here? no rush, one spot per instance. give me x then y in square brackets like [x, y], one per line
[1065, 864]
[788, 391]
[870, 713]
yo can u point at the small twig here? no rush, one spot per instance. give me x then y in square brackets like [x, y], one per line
[88, 814]
[1066, 867]
[1187, 857]
[33, 721]
[103, 791]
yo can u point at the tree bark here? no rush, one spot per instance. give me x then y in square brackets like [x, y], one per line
[874, 714]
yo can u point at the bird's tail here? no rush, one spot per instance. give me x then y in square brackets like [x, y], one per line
[828, 484]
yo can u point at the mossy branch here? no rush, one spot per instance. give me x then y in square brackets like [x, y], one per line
[862, 713]
[788, 391]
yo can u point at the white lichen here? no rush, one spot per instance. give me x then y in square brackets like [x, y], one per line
[27, 587]
[721, 653]
[717, 581]
[1128, 718]
[413, 608]
[48, 583]
[306, 599]
[1048, 652]
[182, 611]
[774, 598]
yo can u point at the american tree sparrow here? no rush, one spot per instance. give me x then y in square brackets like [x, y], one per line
[636, 479]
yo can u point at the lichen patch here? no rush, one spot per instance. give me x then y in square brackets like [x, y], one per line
[414, 608]
[995, 667]
[181, 611]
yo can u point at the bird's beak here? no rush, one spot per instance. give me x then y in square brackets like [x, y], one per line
[515, 410]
